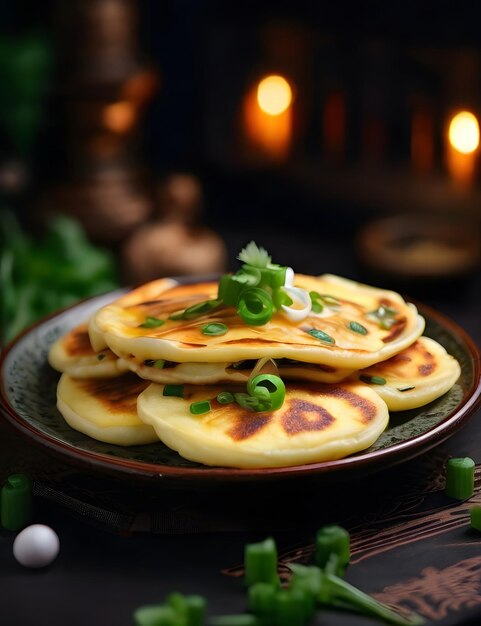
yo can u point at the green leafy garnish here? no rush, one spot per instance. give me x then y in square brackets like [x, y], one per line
[255, 255]
[321, 335]
[152, 322]
[214, 330]
[357, 328]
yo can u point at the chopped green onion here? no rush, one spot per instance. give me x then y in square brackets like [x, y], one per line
[157, 615]
[273, 276]
[358, 328]
[273, 385]
[200, 407]
[173, 390]
[262, 600]
[251, 402]
[196, 310]
[101, 356]
[406, 388]
[280, 298]
[372, 380]
[255, 306]
[260, 562]
[151, 322]
[475, 517]
[235, 620]
[306, 576]
[332, 540]
[190, 608]
[225, 397]
[460, 478]
[316, 302]
[338, 592]
[159, 363]
[215, 329]
[231, 287]
[321, 335]
[289, 608]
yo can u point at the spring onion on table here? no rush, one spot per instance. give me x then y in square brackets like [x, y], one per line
[270, 604]
[460, 478]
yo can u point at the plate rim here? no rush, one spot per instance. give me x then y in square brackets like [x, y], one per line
[397, 453]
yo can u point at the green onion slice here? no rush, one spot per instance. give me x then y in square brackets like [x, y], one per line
[101, 356]
[358, 328]
[280, 297]
[406, 388]
[460, 478]
[255, 306]
[372, 380]
[321, 335]
[231, 287]
[174, 390]
[216, 329]
[202, 308]
[273, 385]
[200, 407]
[252, 403]
[151, 322]
[225, 397]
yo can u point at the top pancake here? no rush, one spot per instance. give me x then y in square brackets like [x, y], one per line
[118, 326]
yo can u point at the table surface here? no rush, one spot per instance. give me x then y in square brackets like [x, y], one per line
[125, 545]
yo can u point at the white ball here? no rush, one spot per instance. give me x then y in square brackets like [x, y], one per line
[36, 546]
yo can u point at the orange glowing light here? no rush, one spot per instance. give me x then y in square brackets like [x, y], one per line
[464, 132]
[119, 117]
[274, 95]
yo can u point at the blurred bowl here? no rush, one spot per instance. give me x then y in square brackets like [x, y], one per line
[420, 249]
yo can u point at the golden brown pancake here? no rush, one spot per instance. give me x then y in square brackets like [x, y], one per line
[74, 355]
[414, 377]
[182, 341]
[105, 409]
[316, 423]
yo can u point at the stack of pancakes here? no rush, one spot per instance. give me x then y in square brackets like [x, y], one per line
[344, 369]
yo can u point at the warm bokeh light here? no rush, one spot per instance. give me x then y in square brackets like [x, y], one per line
[274, 95]
[119, 117]
[464, 132]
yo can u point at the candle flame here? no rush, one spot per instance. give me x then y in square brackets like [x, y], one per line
[464, 132]
[274, 95]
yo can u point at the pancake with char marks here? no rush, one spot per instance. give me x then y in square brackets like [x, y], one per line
[182, 341]
[316, 423]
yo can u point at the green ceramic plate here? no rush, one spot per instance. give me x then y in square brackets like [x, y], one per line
[28, 398]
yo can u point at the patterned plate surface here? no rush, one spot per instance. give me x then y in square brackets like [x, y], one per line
[28, 398]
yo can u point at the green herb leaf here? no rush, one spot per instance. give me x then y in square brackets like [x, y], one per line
[254, 255]
[225, 397]
[215, 329]
[321, 335]
[152, 322]
[358, 328]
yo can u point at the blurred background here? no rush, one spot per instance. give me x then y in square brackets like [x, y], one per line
[145, 138]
